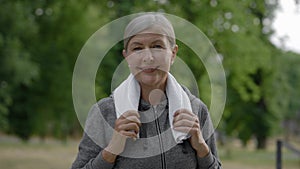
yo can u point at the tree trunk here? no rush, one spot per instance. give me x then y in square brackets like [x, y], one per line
[261, 142]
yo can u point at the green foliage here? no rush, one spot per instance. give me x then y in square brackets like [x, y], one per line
[283, 90]
[17, 70]
[40, 41]
[39, 46]
[64, 31]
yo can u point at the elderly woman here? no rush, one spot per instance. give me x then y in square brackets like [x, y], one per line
[156, 122]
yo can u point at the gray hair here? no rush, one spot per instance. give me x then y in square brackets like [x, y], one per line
[146, 21]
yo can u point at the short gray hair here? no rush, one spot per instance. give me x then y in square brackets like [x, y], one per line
[146, 21]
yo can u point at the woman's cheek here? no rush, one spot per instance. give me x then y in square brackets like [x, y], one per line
[165, 63]
[133, 62]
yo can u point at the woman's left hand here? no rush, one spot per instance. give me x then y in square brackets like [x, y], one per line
[187, 122]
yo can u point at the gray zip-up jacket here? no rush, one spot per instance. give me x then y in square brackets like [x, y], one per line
[155, 148]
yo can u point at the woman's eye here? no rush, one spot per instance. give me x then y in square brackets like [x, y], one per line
[137, 48]
[157, 46]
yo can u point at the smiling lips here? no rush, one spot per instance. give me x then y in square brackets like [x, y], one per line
[148, 69]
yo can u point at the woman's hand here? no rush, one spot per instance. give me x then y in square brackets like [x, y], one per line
[126, 126]
[187, 122]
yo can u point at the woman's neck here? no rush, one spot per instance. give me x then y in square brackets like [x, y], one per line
[153, 94]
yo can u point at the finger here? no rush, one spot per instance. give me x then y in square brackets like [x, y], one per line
[189, 130]
[131, 113]
[179, 111]
[131, 119]
[183, 129]
[185, 123]
[129, 127]
[184, 112]
[128, 134]
[182, 116]
[130, 116]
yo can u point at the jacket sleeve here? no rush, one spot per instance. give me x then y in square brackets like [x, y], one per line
[90, 156]
[210, 161]
[93, 141]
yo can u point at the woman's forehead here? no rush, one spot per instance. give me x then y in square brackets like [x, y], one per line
[144, 37]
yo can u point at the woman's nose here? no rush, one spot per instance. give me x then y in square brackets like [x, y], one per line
[147, 56]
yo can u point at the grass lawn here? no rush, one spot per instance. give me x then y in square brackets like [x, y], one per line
[233, 156]
[53, 154]
[48, 155]
[252, 159]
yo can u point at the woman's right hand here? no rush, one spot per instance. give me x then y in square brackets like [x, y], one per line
[126, 126]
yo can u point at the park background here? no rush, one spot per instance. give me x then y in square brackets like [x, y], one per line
[40, 41]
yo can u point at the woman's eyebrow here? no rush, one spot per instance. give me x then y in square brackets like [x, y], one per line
[135, 43]
[139, 43]
[158, 41]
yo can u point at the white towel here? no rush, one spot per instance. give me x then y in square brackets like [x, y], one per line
[127, 95]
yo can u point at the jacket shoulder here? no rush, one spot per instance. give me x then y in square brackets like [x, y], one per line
[197, 104]
[106, 104]
[106, 107]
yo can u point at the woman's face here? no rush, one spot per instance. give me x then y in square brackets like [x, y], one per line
[149, 57]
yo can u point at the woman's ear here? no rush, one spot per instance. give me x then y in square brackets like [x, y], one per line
[174, 53]
[124, 53]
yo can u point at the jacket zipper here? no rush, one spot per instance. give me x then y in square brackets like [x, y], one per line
[161, 146]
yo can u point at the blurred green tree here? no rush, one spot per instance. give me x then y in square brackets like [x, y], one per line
[64, 26]
[40, 41]
[284, 92]
[18, 72]
[39, 44]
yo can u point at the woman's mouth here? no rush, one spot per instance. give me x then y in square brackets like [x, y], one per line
[149, 69]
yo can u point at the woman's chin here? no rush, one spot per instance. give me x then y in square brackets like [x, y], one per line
[153, 81]
[149, 81]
